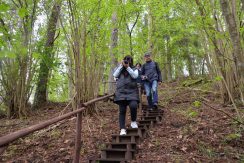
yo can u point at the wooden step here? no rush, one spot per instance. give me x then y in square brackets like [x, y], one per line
[133, 131]
[144, 126]
[153, 111]
[132, 138]
[108, 160]
[127, 146]
[156, 117]
[111, 153]
[148, 122]
[151, 114]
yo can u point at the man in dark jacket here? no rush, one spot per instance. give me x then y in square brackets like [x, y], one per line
[151, 75]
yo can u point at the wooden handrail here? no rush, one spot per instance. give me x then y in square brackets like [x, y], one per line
[5, 140]
[97, 99]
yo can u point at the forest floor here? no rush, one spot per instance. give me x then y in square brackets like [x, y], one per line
[190, 131]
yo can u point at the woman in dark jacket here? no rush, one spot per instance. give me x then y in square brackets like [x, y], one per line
[126, 92]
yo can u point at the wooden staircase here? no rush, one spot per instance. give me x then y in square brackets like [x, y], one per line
[123, 148]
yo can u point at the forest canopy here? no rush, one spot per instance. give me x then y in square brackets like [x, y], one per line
[54, 50]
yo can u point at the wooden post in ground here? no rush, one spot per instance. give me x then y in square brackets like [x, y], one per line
[78, 137]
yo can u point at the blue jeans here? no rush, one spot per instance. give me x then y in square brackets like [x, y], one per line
[151, 89]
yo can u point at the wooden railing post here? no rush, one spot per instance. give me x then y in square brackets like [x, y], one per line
[140, 97]
[78, 137]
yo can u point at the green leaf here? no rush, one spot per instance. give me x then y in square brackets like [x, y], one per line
[2, 55]
[218, 78]
[23, 51]
[22, 12]
[36, 55]
[8, 54]
[193, 114]
[11, 55]
[233, 136]
[197, 104]
[4, 7]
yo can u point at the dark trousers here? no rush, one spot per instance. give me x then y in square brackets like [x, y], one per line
[122, 111]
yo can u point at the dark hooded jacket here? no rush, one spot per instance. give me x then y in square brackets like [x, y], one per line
[126, 88]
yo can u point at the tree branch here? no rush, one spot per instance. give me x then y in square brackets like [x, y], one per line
[15, 3]
[205, 103]
[137, 17]
[5, 29]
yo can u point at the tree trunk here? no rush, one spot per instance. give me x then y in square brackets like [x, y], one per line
[169, 60]
[84, 62]
[164, 73]
[169, 67]
[150, 30]
[46, 62]
[242, 3]
[190, 65]
[229, 13]
[77, 78]
[113, 51]
[70, 62]
[210, 66]
[131, 47]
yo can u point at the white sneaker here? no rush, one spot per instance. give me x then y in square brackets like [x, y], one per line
[133, 124]
[122, 132]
